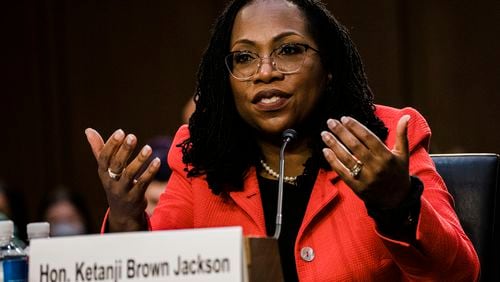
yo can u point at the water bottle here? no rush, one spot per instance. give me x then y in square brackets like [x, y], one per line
[36, 230]
[13, 259]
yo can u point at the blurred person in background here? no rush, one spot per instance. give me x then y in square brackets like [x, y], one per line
[12, 207]
[160, 146]
[66, 212]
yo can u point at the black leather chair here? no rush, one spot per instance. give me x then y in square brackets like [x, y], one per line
[473, 180]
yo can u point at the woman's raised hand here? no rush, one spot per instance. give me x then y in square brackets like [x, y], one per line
[123, 186]
[377, 174]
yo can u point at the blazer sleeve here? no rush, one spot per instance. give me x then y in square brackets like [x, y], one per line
[442, 250]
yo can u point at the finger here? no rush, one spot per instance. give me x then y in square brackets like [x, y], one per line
[351, 142]
[339, 167]
[95, 141]
[341, 153]
[365, 135]
[120, 158]
[139, 161]
[110, 147]
[146, 177]
[401, 144]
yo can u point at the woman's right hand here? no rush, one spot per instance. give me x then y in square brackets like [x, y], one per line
[124, 188]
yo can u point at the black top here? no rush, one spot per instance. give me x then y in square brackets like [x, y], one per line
[295, 199]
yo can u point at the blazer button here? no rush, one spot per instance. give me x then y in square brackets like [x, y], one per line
[307, 253]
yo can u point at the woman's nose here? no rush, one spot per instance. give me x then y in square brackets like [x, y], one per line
[267, 71]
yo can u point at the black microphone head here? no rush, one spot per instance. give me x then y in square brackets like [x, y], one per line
[289, 135]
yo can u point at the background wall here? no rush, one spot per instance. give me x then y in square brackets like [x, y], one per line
[69, 65]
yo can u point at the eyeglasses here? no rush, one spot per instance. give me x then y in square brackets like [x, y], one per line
[287, 59]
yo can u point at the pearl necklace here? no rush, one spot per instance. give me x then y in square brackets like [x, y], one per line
[270, 171]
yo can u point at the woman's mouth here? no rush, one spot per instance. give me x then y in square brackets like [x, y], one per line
[270, 100]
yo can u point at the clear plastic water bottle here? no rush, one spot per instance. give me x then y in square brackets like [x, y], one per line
[13, 260]
[36, 230]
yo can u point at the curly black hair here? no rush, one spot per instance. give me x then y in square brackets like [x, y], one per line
[221, 145]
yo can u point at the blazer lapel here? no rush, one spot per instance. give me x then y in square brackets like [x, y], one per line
[324, 191]
[249, 200]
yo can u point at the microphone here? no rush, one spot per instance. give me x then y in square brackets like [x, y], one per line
[288, 136]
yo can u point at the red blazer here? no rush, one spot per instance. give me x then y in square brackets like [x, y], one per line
[345, 240]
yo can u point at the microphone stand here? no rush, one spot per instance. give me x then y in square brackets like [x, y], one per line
[288, 135]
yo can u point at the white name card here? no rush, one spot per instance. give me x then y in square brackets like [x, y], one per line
[212, 254]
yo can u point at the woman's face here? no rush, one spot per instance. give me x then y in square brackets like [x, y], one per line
[64, 219]
[271, 101]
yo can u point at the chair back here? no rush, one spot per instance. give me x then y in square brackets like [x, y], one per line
[473, 180]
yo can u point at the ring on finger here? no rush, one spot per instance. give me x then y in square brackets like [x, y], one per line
[114, 175]
[356, 169]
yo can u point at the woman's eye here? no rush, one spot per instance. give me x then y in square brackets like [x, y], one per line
[290, 49]
[243, 58]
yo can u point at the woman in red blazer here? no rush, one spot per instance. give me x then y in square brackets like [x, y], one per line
[362, 198]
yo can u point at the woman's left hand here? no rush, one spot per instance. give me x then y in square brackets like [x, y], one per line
[377, 174]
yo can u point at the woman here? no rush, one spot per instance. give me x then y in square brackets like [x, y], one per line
[67, 213]
[362, 200]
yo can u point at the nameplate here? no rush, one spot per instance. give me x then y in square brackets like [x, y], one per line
[212, 254]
